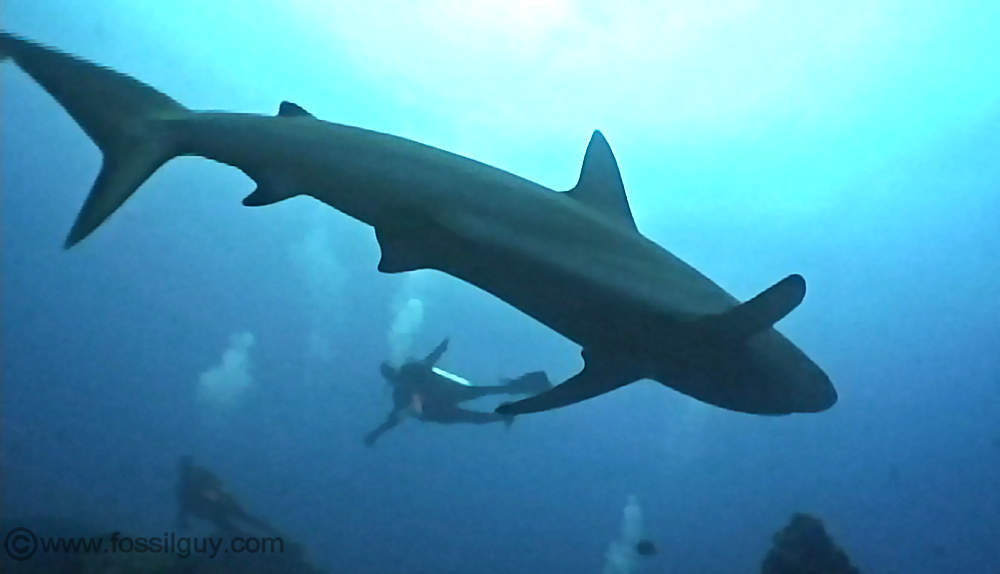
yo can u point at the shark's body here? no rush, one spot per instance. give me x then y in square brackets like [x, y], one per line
[574, 261]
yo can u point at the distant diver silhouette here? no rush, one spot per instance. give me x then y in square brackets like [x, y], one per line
[645, 547]
[422, 390]
[200, 494]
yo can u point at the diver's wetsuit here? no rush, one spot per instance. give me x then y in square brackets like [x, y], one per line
[200, 494]
[430, 395]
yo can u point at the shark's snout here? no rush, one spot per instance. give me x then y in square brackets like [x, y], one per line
[818, 396]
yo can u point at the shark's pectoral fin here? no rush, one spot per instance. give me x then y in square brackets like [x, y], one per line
[757, 314]
[598, 376]
[290, 110]
[600, 185]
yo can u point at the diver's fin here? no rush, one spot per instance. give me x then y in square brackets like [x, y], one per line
[508, 421]
[435, 355]
[119, 113]
[292, 110]
[598, 376]
[600, 185]
[533, 382]
[757, 314]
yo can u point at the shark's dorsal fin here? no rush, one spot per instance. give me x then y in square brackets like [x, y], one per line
[600, 185]
[757, 314]
[290, 110]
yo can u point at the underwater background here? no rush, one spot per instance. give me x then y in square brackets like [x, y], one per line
[856, 143]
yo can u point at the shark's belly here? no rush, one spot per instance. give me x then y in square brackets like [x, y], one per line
[587, 284]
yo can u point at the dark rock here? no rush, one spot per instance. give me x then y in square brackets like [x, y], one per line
[804, 547]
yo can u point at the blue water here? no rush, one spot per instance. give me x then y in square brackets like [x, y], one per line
[856, 144]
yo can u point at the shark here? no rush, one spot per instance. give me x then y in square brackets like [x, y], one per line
[573, 260]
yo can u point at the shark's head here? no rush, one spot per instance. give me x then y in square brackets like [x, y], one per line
[792, 383]
[766, 375]
[738, 361]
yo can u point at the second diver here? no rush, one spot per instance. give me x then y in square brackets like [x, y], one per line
[422, 390]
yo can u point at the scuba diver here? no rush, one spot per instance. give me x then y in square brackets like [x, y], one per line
[200, 494]
[645, 547]
[428, 393]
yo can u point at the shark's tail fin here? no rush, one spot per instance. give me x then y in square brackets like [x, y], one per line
[122, 115]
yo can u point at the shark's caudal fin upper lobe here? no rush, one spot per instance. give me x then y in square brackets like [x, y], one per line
[123, 116]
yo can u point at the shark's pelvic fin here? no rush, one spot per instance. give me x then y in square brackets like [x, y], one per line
[599, 376]
[270, 190]
[600, 185]
[263, 195]
[757, 314]
[398, 256]
[289, 109]
[124, 117]
[408, 242]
